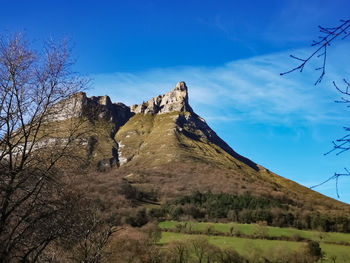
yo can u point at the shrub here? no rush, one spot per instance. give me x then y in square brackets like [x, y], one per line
[234, 231]
[229, 255]
[314, 249]
[260, 231]
[296, 237]
[209, 230]
[153, 232]
[133, 245]
[177, 252]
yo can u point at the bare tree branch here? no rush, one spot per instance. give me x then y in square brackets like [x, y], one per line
[328, 36]
[32, 211]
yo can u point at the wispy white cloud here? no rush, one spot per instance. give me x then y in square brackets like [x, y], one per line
[249, 89]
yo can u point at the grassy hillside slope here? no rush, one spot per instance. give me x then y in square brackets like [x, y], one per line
[173, 155]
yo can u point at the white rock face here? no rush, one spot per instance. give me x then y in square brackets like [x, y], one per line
[68, 108]
[122, 160]
[19, 150]
[79, 105]
[99, 107]
[175, 100]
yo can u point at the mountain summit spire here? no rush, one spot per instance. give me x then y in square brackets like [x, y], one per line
[175, 100]
[181, 89]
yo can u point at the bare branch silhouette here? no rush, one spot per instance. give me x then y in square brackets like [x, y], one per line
[328, 36]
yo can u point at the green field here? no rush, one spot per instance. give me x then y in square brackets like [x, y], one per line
[248, 229]
[247, 246]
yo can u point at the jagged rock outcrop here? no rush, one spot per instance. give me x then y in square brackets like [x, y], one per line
[175, 100]
[174, 106]
[93, 108]
[69, 108]
[101, 107]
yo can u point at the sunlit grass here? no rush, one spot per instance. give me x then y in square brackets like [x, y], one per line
[248, 229]
[246, 246]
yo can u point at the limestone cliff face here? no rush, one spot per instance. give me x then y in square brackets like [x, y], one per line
[176, 121]
[175, 100]
[69, 108]
[93, 108]
[101, 107]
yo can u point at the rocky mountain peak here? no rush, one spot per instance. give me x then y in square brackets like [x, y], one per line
[103, 108]
[175, 100]
[181, 87]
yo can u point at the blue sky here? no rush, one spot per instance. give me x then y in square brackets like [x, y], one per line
[229, 53]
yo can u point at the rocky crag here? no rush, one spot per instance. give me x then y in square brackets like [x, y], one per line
[162, 147]
[175, 103]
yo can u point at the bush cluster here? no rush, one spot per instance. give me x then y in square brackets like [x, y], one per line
[248, 209]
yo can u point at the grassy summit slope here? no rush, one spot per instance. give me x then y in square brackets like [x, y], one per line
[176, 153]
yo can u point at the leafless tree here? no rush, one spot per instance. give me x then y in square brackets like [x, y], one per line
[178, 252]
[203, 250]
[32, 213]
[329, 35]
[93, 236]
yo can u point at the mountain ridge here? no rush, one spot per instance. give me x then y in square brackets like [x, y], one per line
[163, 148]
[177, 100]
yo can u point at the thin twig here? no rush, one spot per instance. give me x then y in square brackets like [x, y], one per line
[330, 35]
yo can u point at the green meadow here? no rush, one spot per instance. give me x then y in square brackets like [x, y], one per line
[248, 229]
[247, 246]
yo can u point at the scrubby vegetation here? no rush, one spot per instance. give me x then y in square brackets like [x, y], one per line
[249, 209]
[259, 243]
[257, 250]
[255, 231]
[140, 245]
